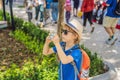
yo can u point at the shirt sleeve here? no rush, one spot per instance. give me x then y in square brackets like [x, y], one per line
[54, 49]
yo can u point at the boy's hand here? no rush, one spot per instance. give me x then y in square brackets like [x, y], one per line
[48, 40]
[56, 39]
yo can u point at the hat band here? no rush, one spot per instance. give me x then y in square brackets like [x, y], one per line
[72, 26]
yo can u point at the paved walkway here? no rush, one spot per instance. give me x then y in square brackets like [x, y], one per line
[95, 42]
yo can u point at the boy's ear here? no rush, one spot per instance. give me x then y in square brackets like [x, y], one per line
[76, 36]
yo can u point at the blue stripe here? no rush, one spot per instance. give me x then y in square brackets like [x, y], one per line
[72, 26]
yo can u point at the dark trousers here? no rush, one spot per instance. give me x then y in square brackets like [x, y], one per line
[67, 16]
[39, 9]
[6, 2]
[29, 16]
[87, 15]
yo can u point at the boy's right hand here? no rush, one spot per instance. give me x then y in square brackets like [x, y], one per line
[48, 40]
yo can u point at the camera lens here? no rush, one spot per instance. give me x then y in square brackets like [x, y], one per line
[52, 34]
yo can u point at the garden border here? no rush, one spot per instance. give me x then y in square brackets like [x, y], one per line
[109, 75]
[3, 24]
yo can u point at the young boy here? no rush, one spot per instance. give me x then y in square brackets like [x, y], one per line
[68, 50]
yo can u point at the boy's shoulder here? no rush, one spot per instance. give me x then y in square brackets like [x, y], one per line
[76, 53]
[76, 48]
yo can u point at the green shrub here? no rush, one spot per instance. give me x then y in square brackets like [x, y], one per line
[35, 32]
[30, 71]
[31, 44]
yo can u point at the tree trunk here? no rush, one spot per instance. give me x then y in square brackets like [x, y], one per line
[61, 16]
[11, 13]
[0, 4]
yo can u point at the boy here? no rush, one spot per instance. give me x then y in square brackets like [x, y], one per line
[68, 50]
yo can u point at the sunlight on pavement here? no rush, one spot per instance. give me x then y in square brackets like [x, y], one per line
[84, 38]
[94, 44]
[118, 74]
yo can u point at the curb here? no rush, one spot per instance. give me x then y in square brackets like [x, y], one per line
[110, 75]
[3, 24]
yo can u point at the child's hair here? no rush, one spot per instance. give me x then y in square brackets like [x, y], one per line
[77, 40]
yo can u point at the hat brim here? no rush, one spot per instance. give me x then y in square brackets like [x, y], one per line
[63, 24]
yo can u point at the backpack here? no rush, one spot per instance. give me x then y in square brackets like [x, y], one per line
[83, 74]
[117, 9]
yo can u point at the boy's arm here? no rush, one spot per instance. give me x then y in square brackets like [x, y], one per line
[62, 56]
[46, 49]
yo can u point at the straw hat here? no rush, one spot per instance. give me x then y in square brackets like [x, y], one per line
[75, 25]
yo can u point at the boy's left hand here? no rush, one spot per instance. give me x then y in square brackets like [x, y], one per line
[56, 39]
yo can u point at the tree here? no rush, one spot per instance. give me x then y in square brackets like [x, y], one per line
[11, 13]
[61, 16]
[4, 13]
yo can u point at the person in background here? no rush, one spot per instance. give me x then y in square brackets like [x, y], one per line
[68, 10]
[48, 11]
[54, 7]
[6, 2]
[75, 8]
[110, 21]
[118, 28]
[87, 9]
[94, 15]
[102, 13]
[40, 9]
[29, 9]
[97, 6]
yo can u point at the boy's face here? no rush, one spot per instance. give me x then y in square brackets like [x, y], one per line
[67, 34]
